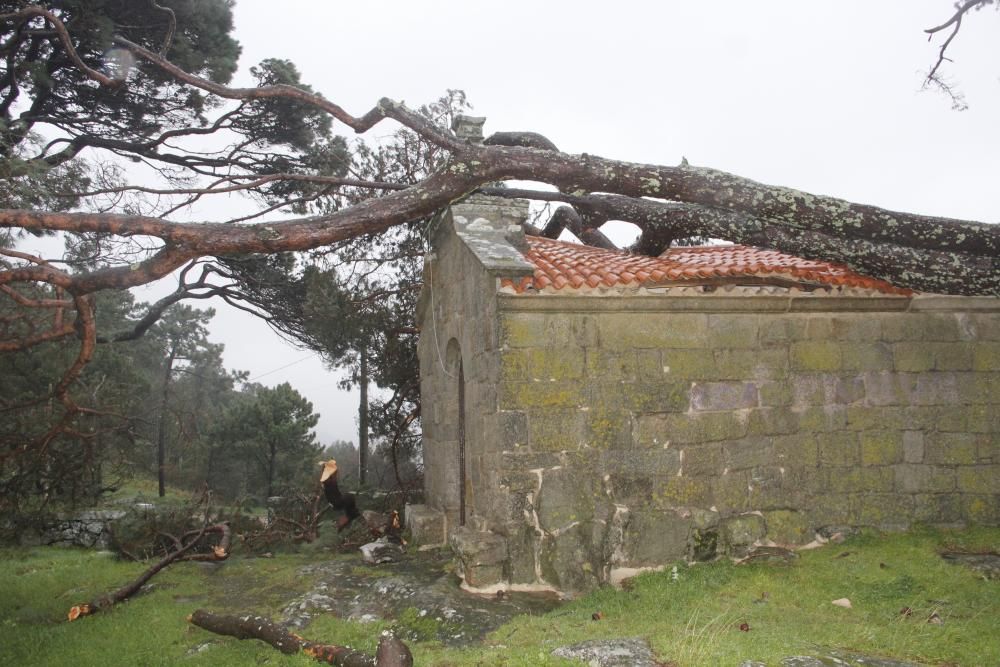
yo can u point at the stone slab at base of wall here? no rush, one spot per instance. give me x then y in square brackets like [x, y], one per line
[426, 526]
[482, 557]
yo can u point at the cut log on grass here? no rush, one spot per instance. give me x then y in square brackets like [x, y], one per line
[182, 551]
[391, 651]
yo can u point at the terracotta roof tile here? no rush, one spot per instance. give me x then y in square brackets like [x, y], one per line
[561, 265]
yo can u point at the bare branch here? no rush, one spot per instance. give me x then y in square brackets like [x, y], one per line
[957, 16]
[955, 22]
[257, 181]
[168, 39]
[385, 108]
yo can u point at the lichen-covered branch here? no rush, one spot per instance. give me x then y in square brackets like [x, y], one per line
[912, 251]
[385, 108]
[913, 267]
[748, 202]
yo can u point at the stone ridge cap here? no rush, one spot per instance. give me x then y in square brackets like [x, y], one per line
[689, 299]
[691, 302]
[493, 233]
[492, 247]
[946, 302]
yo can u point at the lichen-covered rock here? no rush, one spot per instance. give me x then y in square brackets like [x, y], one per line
[381, 551]
[740, 532]
[566, 497]
[704, 540]
[522, 545]
[704, 544]
[567, 559]
[834, 658]
[482, 556]
[631, 652]
[657, 537]
[417, 595]
[788, 527]
[425, 525]
[988, 565]
[90, 528]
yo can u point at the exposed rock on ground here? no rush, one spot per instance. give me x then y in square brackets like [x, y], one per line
[419, 591]
[831, 658]
[986, 564]
[630, 652]
[381, 551]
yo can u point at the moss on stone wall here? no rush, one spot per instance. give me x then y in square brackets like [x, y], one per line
[619, 428]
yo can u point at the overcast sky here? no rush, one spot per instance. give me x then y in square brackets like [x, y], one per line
[821, 96]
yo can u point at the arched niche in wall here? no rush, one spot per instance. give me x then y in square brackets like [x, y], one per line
[456, 394]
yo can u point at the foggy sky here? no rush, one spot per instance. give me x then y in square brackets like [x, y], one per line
[823, 97]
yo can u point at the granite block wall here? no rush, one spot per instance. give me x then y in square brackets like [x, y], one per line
[459, 325]
[634, 431]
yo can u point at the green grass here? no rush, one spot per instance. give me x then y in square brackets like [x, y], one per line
[693, 620]
[41, 584]
[146, 489]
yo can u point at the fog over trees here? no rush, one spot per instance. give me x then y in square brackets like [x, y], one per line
[114, 121]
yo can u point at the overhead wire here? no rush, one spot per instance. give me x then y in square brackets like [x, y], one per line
[281, 368]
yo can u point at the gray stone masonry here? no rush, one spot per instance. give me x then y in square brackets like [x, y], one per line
[90, 528]
[425, 525]
[609, 431]
[482, 556]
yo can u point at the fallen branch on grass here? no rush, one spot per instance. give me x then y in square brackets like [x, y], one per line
[183, 551]
[296, 519]
[391, 651]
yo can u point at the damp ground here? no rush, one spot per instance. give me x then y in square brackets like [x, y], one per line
[923, 598]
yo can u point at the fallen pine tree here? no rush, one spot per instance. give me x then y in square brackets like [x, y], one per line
[391, 652]
[183, 550]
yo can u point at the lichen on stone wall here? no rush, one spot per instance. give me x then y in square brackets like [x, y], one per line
[628, 435]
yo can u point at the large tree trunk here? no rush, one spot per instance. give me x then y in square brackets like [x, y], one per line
[911, 251]
[391, 652]
[363, 417]
[161, 426]
[272, 455]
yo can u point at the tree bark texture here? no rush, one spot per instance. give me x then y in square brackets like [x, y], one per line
[699, 201]
[911, 251]
[181, 552]
[363, 418]
[249, 626]
[727, 206]
[161, 424]
[272, 458]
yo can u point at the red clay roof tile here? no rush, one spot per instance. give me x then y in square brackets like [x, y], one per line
[568, 265]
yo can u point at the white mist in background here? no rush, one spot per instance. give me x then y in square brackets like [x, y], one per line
[119, 63]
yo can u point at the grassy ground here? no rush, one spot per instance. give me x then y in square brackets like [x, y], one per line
[691, 619]
[145, 489]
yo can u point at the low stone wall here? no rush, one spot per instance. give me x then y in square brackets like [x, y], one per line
[640, 430]
[91, 528]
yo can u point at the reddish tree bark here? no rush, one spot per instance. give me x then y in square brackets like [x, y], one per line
[391, 651]
[923, 253]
